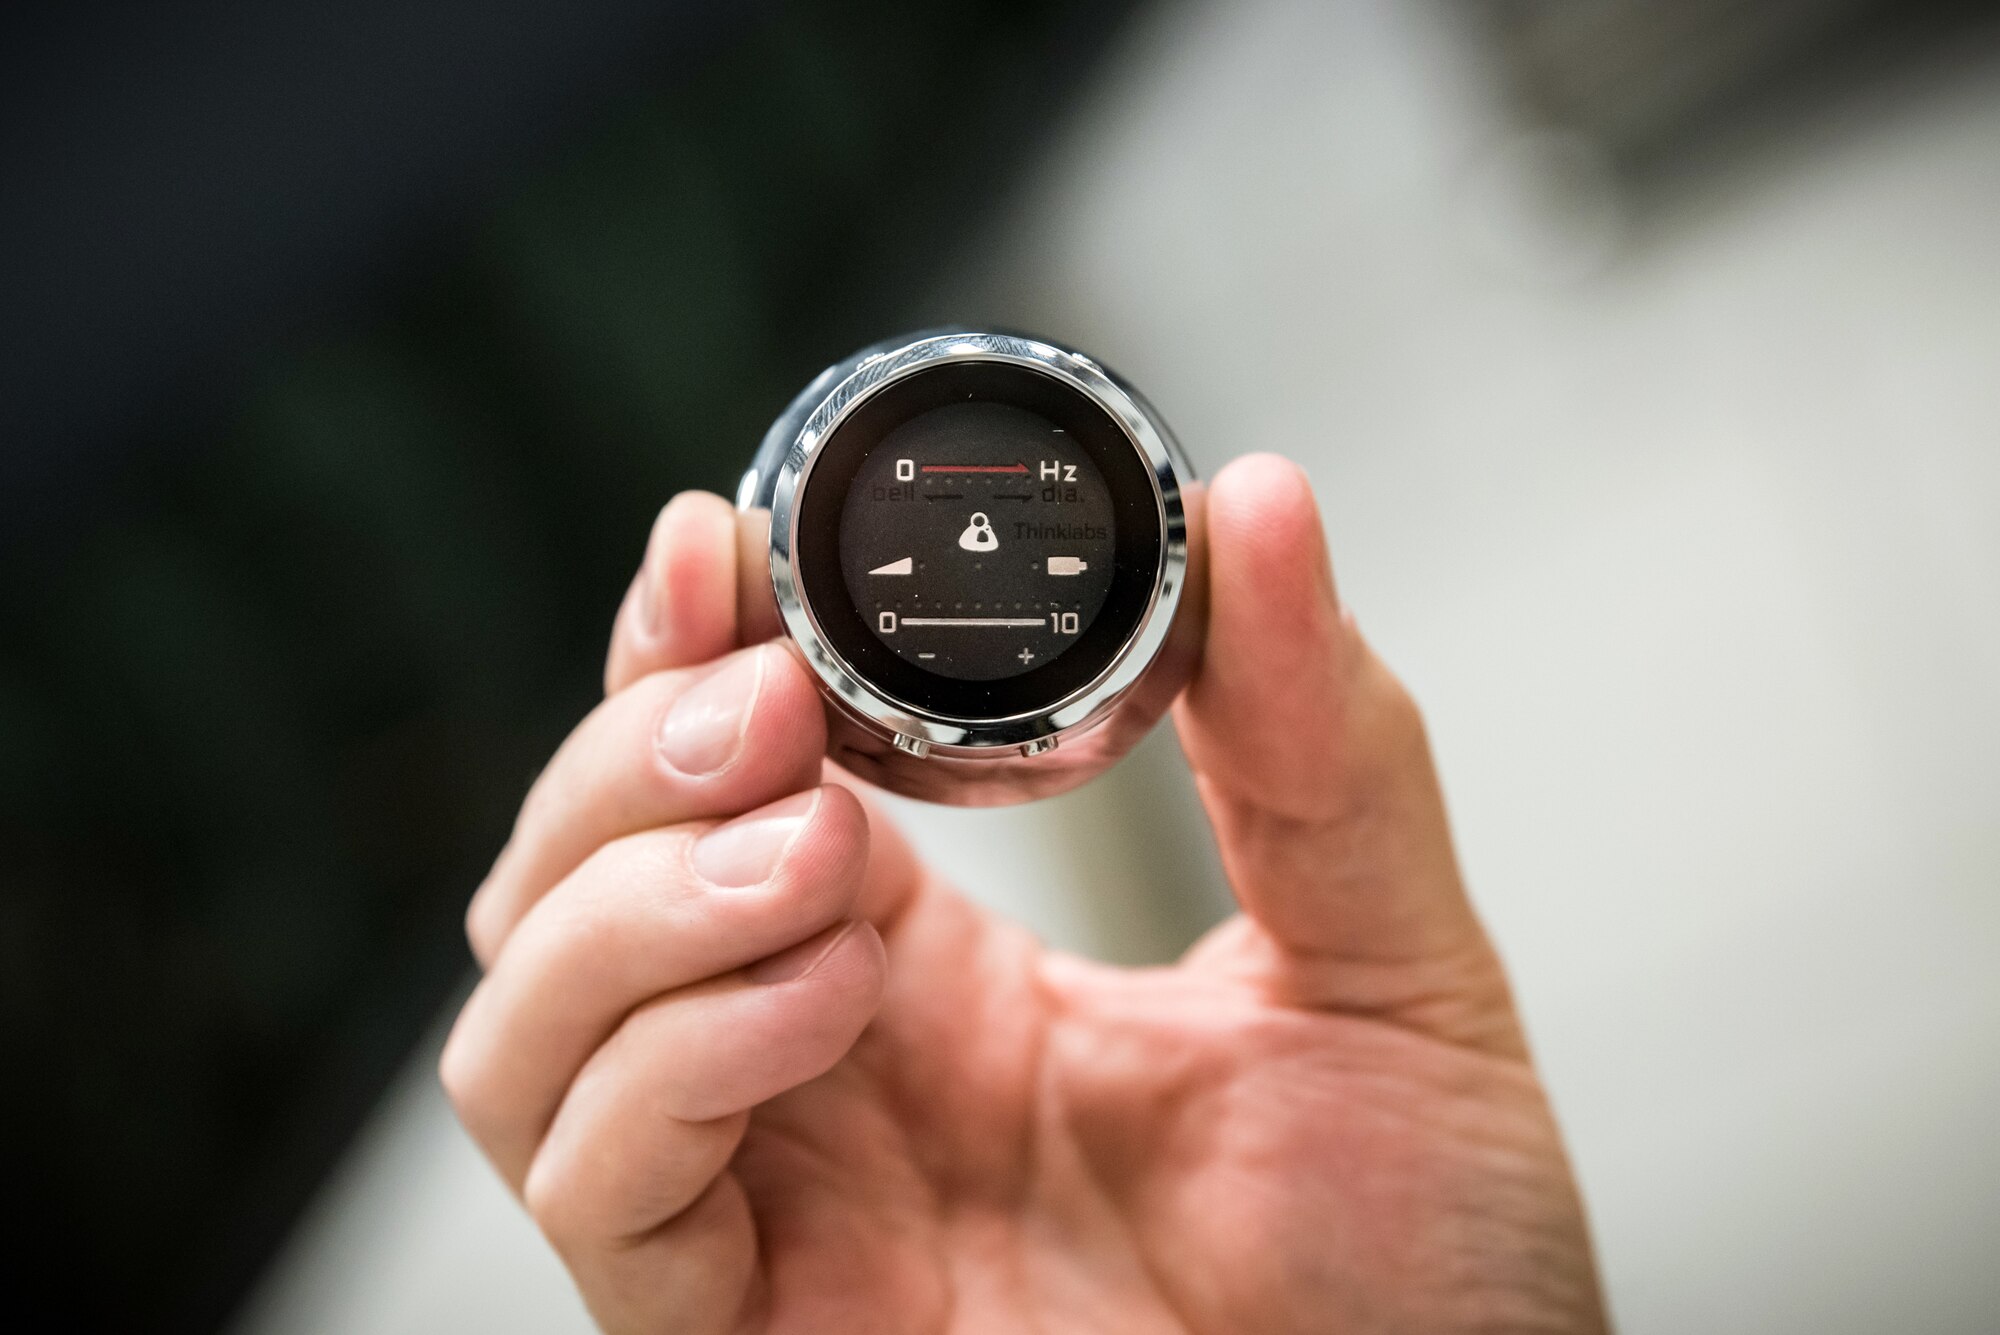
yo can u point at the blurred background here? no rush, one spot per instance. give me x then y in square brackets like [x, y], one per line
[1644, 355]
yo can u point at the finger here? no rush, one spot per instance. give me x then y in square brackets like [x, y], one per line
[696, 1274]
[658, 1110]
[675, 746]
[703, 589]
[1312, 761]
[681, 607]
[895, 874]
[630, 1184]
[679, 582]
[756, 602]
[646, 915]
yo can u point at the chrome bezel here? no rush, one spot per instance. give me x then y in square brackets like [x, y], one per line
[944, 733]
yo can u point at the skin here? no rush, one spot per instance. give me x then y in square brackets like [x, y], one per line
[1323, 1118]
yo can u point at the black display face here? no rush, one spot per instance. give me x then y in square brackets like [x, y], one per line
[979, 539]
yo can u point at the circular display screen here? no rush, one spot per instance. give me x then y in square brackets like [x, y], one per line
[978, 539]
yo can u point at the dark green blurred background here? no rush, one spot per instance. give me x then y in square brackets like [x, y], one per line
[349, 357]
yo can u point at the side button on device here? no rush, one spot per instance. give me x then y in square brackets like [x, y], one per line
[1039, 746]
[916, 746]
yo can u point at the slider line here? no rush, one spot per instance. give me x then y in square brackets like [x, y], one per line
[973, 621]
[975, 468]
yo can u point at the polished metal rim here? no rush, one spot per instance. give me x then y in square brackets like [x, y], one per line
[894, 717]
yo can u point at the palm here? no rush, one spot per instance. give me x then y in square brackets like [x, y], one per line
[1024, 1142]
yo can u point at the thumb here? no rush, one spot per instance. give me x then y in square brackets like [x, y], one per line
[1312, 761]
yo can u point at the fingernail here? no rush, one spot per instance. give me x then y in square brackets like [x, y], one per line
[788, 966]
[704, 730]
[747, 849]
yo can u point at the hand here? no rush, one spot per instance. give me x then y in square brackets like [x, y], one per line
[770, 1074]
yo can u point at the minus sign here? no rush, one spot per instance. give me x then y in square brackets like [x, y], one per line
[926, 655]
[1059, 431]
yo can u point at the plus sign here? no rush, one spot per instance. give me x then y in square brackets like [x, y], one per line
[1027, 656]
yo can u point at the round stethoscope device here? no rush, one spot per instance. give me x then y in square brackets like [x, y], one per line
[979, 544]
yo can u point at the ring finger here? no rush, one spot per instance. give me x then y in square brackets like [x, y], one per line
[644, 916]
[675, 746]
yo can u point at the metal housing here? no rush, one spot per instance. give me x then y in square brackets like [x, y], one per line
[966, 761]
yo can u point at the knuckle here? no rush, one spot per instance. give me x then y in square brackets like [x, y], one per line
[598, 910]
[459, 1073]
[537, 801]
[612, 908]
[1402, 717]
[482, 927]
[549, 1195]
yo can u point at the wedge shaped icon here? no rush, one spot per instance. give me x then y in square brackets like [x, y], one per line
[901, 567]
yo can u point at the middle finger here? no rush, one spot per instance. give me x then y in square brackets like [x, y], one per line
[643, 916]
[675, 746]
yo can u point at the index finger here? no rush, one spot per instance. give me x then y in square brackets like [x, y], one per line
[703, 589]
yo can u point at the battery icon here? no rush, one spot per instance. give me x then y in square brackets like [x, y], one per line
[1067, 565]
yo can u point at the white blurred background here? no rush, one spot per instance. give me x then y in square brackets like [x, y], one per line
[1675, 496]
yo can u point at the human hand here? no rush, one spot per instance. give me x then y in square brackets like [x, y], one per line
[766, 1072]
